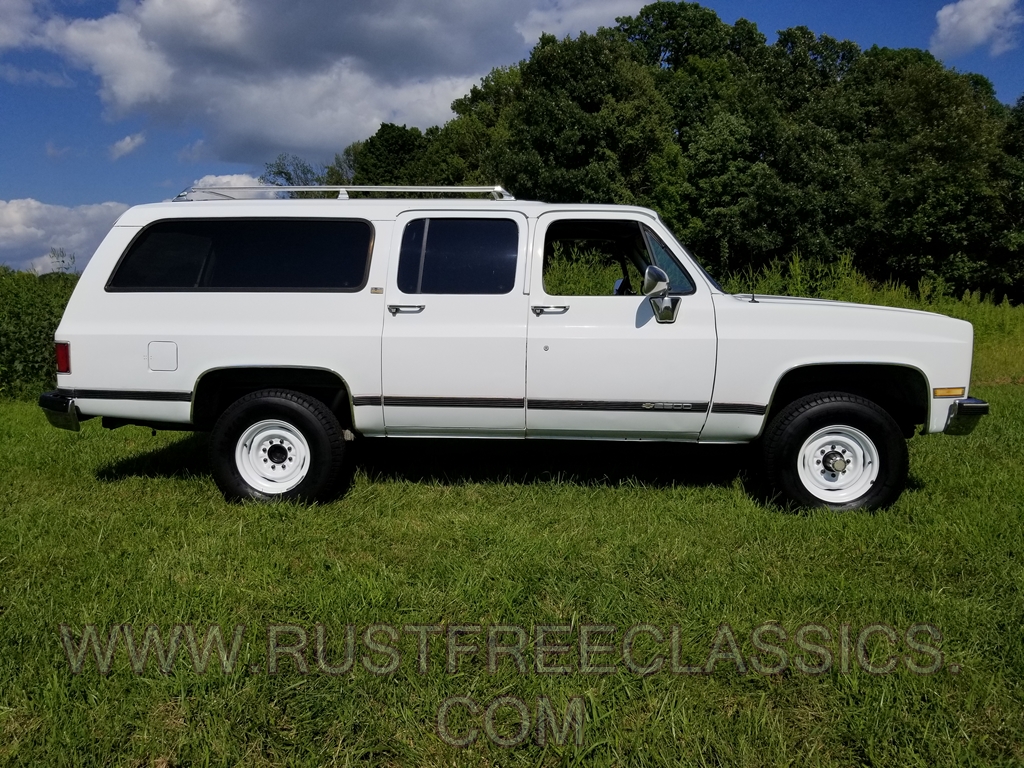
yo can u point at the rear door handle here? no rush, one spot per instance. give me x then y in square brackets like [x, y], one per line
[394, 309]
[549, 309]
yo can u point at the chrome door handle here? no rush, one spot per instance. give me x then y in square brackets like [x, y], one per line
[549, 309]
[394, 309]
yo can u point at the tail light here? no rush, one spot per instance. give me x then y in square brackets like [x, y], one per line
[63, 349]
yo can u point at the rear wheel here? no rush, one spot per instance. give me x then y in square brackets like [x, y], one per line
[836, 450]
[277, 444]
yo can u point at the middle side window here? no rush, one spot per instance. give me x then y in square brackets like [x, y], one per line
[458, 256]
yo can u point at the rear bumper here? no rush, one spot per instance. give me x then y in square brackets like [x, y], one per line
[964, 415]
[60, 410]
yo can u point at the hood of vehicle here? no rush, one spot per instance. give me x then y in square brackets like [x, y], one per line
[841, 321]
[797, 301]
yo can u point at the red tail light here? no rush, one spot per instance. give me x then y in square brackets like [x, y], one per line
[63, 349]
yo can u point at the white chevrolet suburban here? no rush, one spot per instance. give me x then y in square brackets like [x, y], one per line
[287, 327]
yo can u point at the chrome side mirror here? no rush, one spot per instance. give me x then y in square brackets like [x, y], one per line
[656, 287]
[655, 281]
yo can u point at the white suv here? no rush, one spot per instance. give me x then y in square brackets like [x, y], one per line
[288, 326]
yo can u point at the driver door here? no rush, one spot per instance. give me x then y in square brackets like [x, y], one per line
[598, 363]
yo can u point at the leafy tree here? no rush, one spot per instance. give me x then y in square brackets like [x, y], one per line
[929, 141]
[291, 171]
[343, 170]
[750, 151]
[391, 155]
[588, 124]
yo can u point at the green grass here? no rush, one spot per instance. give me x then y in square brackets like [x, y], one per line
[123, 527]
[108, 528]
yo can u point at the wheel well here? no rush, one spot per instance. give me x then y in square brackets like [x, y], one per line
[218, 389]
[901, 391]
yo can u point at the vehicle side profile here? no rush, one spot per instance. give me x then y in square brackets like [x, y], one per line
[288, 327]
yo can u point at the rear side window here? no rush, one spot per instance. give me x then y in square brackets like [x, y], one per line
[458, 256]
[247, 255]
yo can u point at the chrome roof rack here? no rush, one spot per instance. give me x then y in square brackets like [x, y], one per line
[229, 193]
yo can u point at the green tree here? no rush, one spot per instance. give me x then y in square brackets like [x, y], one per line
[750, 151]
[588, 124]
[391, 155]
[930, 142]
[291, 171]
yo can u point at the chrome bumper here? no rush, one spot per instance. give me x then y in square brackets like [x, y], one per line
[60, 410]
[964, 415]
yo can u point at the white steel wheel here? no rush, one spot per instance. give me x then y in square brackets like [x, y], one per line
[277, 444]
[837, 450]
[272, 456]
[838, 464]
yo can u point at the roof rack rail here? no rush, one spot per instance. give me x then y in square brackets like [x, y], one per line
[227, 193]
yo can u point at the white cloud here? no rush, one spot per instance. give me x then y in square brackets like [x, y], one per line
[29, 229]
[319, 113]
[570, 17]
[127, 145]
[194, 152]
[256, 79]
[227, 180]
[234, 180]
[16, 76]
[132, 68]
[17, 22]
[969, 24]
[259, 79]
[212, 24]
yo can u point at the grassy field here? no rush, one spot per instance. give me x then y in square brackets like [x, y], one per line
[109, 528]
[104, 529]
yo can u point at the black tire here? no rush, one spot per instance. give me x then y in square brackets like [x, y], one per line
[836, 450]
[257, 441]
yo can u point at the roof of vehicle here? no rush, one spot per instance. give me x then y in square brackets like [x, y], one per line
[367, 208]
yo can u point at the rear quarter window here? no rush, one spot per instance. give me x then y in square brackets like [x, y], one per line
[247, 255]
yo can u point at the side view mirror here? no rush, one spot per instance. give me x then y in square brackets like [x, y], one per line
[656, 287]
[655, 281]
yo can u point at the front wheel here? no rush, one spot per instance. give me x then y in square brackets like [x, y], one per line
[277, 444]
[836, 450]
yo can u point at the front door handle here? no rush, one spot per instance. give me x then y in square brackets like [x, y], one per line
[394, 309]
[549, 309]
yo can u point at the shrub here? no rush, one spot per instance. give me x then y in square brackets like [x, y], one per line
[30, 310]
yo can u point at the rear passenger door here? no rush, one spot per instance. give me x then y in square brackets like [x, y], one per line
[454, 346]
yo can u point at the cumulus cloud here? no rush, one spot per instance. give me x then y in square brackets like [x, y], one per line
[17, 22]
[256, 78]
[127, 145]
[17, 76]
[234, 180]
[227, 180]
[259, 80]
[566, 17]
[969, 24]
[29, 229]
[132, 68]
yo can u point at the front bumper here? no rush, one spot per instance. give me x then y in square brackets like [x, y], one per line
[60, 410]
[964, 415]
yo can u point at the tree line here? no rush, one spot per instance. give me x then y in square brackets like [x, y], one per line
[750, 152]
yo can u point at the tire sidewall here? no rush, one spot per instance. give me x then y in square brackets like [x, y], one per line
[299, 413]
[796, 424]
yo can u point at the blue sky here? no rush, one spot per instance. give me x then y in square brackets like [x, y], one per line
[107, 104]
